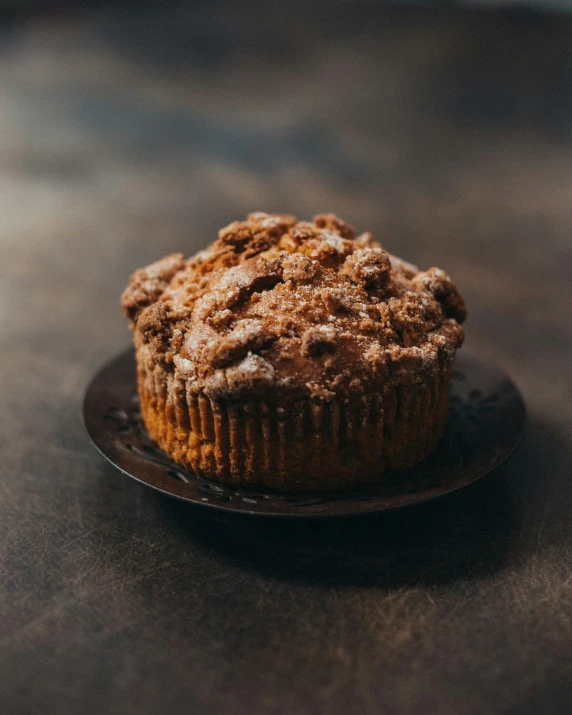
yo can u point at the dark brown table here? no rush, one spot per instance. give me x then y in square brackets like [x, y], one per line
[126, 134]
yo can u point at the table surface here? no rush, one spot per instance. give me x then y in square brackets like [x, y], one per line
[125, 135]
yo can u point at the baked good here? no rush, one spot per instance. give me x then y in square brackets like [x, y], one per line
[294, 355]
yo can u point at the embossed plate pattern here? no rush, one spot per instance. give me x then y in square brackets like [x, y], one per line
[486, 420]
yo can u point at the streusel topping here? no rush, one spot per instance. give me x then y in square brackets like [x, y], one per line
[303, 307]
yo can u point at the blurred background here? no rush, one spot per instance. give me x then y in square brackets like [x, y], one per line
[132, 129]
[128, 130]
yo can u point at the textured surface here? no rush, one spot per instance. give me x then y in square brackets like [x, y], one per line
[307, 309]
[293, 354]
[123, 138]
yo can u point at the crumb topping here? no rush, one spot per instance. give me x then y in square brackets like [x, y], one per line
[305, 307]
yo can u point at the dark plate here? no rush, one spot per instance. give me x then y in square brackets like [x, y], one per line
[486, 420]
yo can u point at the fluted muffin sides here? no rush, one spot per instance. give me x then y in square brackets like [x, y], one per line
[293, 355]
[303, 445]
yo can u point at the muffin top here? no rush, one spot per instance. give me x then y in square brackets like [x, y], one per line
[303, 309]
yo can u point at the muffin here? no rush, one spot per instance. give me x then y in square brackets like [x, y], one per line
[294, 355]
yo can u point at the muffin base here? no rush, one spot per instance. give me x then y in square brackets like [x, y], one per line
[300, 446]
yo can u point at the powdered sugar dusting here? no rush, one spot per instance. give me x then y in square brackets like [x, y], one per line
[300, 307]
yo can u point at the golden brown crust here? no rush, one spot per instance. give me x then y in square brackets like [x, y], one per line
[325, 314]
[294, 354]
